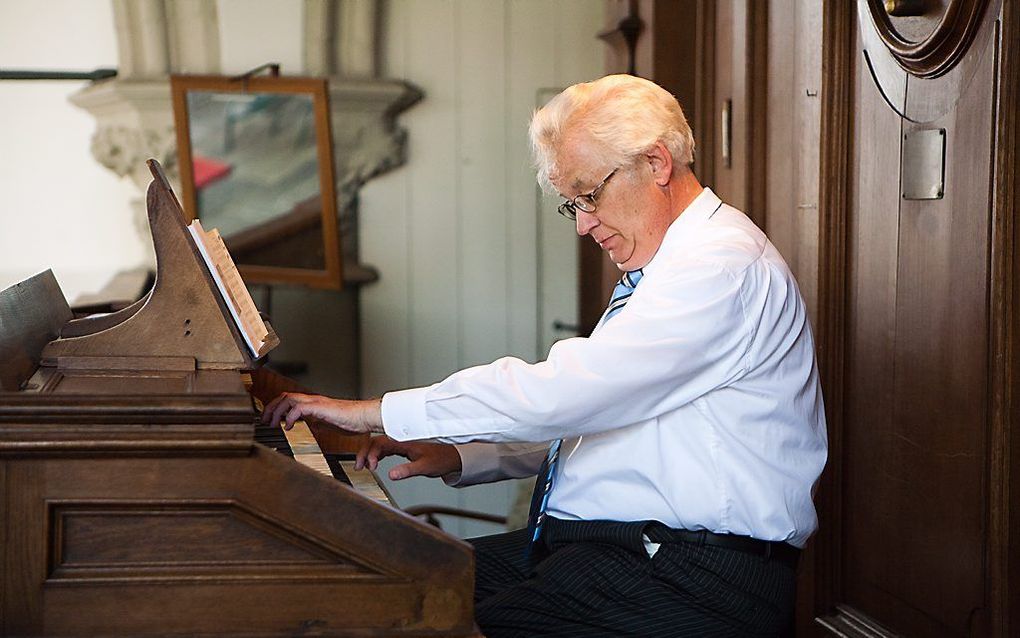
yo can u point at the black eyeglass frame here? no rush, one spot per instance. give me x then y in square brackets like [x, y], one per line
[585, 201]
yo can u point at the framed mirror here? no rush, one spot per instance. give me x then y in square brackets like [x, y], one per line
[256, 162]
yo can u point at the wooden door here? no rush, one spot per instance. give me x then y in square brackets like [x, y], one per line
[915, 503]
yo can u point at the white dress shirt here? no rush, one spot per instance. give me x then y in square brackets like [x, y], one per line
[698, 405]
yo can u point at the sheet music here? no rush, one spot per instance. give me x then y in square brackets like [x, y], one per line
[231, 286]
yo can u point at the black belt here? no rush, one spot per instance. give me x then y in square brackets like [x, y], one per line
[768, 550]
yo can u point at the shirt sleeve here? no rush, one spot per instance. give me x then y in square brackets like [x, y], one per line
[490, 462]
[683, 333]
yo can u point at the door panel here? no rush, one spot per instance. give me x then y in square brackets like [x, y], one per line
[914, 458]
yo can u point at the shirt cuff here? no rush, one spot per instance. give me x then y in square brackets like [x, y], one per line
[455, 479]
[403, 414]
[479, 463]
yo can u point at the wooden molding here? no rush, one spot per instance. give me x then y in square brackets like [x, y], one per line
[942, 48]
[757, 111]
[170, 540]
[704, 109]
[1003, 557]
[834, 166]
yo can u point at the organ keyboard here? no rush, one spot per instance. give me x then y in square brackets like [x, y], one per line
[300, 444]
[340, 466]
[136, 498]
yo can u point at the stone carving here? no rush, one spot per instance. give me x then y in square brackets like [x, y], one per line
[366, 139]
[123, 148]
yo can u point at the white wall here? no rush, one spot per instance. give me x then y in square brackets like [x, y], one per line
[455, 233]
[58, 208]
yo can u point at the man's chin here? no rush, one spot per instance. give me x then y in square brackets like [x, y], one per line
[626, 265]
[621, 264]
[630, 264]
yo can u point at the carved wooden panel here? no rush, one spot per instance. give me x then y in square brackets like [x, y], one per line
[165, 539]
[928, 40]
[206, 543]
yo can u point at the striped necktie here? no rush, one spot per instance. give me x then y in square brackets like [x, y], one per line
[540, 497]
[622, 292]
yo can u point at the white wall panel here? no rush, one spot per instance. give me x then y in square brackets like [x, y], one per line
[482, 183]
[455, 233]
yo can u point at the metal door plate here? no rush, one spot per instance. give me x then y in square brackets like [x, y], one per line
[923, 164]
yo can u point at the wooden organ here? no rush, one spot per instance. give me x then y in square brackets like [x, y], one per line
[137, 499]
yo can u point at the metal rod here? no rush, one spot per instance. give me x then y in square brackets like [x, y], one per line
[272, 67]
[98, 74]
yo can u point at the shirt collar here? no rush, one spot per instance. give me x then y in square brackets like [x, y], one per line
[684, 226]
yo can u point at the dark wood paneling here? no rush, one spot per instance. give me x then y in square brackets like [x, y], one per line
[757, 65]
[790, 168]
[4, 611]
[935, 425]
[25, 560]
[703, 119]
[837, 131]
[921, 411]
[1003, 555]
[871, 327]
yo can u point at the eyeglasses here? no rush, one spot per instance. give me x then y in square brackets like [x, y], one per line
[584, 202]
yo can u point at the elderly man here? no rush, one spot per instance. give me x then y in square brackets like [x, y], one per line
[676, 447]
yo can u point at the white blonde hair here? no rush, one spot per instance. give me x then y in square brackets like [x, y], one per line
[623, 115]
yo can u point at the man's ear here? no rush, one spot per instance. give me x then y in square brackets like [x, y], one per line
[661, 162]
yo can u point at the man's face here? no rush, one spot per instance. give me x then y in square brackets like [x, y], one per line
[628, 222]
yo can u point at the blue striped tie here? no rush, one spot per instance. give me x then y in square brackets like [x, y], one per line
[622, 292]
[540, 497]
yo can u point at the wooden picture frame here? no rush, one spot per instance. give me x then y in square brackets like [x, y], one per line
[289, 238]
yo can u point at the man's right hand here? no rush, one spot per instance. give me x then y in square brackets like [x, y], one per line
[425, 458]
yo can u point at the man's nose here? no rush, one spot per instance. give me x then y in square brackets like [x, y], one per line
[585, 222]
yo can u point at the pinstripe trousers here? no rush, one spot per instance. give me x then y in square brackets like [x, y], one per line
[595, 578]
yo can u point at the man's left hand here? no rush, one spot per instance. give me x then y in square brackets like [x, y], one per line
[357, 417]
